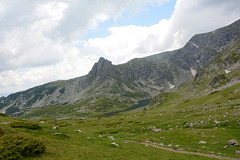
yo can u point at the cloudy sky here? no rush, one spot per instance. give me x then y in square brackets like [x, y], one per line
[47, 40]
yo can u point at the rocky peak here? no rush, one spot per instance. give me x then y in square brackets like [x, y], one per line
[102, 64]
[101, 70]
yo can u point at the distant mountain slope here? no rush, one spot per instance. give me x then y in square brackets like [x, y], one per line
[127, 83]
[220, 73]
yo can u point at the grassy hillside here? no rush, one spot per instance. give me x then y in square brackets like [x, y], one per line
[86, 108]
[202, 124]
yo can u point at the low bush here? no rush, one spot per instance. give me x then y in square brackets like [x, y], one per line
[3, 115]
[15, 146]
[1, 131]
[25, 124]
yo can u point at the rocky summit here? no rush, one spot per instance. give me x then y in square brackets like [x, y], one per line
[109, 87]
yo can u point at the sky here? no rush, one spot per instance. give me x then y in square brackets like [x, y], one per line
[47, 40]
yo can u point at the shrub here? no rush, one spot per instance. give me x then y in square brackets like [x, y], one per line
[3, 115]
[18, 146]
[1, 131]
[25, 124]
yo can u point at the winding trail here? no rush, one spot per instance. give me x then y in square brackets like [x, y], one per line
[185, 152]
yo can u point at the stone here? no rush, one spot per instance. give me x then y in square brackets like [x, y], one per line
[154, 129]
[78, 131]
[54, 128]
[191, 125]
[202, 142]
[227, 121]
[115, 144]
[57, 133]
[233, 142]
[217, 122]
[147, 141]
[180, 149]
[111, 137]
[238, 152]
[161, 144]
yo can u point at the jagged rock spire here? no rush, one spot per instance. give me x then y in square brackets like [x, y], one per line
[101, 70]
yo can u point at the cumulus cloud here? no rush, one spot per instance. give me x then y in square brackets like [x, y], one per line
[129, 42]
[37, 37]
[72, 65]
[36, 33]
[189, 18]
[23, 43]
[192, 17]
[88, 14]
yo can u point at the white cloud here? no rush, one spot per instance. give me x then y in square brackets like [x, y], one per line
[27, 45]
[129, 42]
[84, 14]
[73, 65]
[37, 40]
[189, 18]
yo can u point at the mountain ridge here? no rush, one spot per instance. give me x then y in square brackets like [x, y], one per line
[140, 78]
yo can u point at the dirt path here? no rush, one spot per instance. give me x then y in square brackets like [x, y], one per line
[185, 152]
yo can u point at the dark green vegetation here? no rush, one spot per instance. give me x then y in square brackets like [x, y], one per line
[15, 146]
[25, 124]
[16, 143]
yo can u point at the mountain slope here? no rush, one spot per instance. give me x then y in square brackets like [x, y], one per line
[220, 73]
[127, 83]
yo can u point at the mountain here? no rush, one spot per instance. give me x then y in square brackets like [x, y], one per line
[221, 73]
[110, 87]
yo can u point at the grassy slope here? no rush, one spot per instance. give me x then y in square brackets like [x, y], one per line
[174, 117]
[98, 107]
[87, 145]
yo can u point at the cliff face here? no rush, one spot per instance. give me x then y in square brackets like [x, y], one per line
[101, 71]
[137, 79]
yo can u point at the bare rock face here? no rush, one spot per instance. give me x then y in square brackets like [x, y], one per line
[101, 71]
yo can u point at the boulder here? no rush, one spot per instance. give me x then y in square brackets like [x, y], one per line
[191, 125]
[202, 142]
[154, 129]
[112, 138]
[57, 133]
[233, 142]
[115, 144]
[54, 128]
